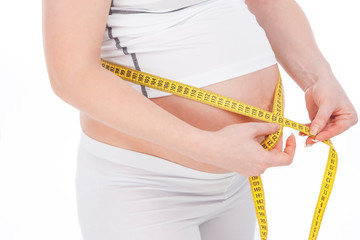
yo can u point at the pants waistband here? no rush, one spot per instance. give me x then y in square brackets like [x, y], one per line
[143, 161]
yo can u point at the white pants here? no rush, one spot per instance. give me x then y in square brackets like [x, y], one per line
[122, 194]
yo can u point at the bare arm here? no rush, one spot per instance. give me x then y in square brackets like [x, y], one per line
[72, 32]
[291, 38]
[293, 42]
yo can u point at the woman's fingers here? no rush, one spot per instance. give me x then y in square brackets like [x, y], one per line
[309, 141]
[310, 104]
[330, 110]
[321, 119]
[281, 158]
[334, 126]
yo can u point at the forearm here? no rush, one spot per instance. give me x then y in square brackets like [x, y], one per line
[73, 34]
[292, 40]
[110, 100]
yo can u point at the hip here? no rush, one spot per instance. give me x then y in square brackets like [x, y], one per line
[123, 194]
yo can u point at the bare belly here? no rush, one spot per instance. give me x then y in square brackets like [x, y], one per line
[255, 88]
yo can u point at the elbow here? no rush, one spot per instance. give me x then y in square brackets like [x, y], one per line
[67, 75]
[57, 85]
[63, 80]
[58, 82]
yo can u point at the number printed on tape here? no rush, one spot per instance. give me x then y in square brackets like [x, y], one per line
[226, 103]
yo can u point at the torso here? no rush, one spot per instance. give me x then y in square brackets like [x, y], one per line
[256, 88]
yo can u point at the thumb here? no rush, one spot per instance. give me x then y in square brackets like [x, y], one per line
[262, 129]
[323, 115]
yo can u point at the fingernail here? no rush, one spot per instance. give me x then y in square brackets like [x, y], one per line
[315, 140]
[308, 145]
[292, 134]
[314, 130]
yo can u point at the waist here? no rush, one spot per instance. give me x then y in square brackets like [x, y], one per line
[256, 89]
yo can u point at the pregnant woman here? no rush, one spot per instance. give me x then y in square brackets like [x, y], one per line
[152, 165]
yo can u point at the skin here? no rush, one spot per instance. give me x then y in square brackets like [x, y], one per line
[289, 33]
[193, 136]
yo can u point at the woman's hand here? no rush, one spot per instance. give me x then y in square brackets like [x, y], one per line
[289, 33]
[236, 148]
[330, 110]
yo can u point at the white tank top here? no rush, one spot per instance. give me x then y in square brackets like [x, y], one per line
[197, 42]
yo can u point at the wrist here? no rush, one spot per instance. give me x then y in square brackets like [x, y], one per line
[306, 78]
[195, 144]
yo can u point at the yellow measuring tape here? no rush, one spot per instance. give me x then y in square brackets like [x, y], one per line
[235, 106]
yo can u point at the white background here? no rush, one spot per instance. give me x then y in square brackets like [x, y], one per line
[40, 134]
